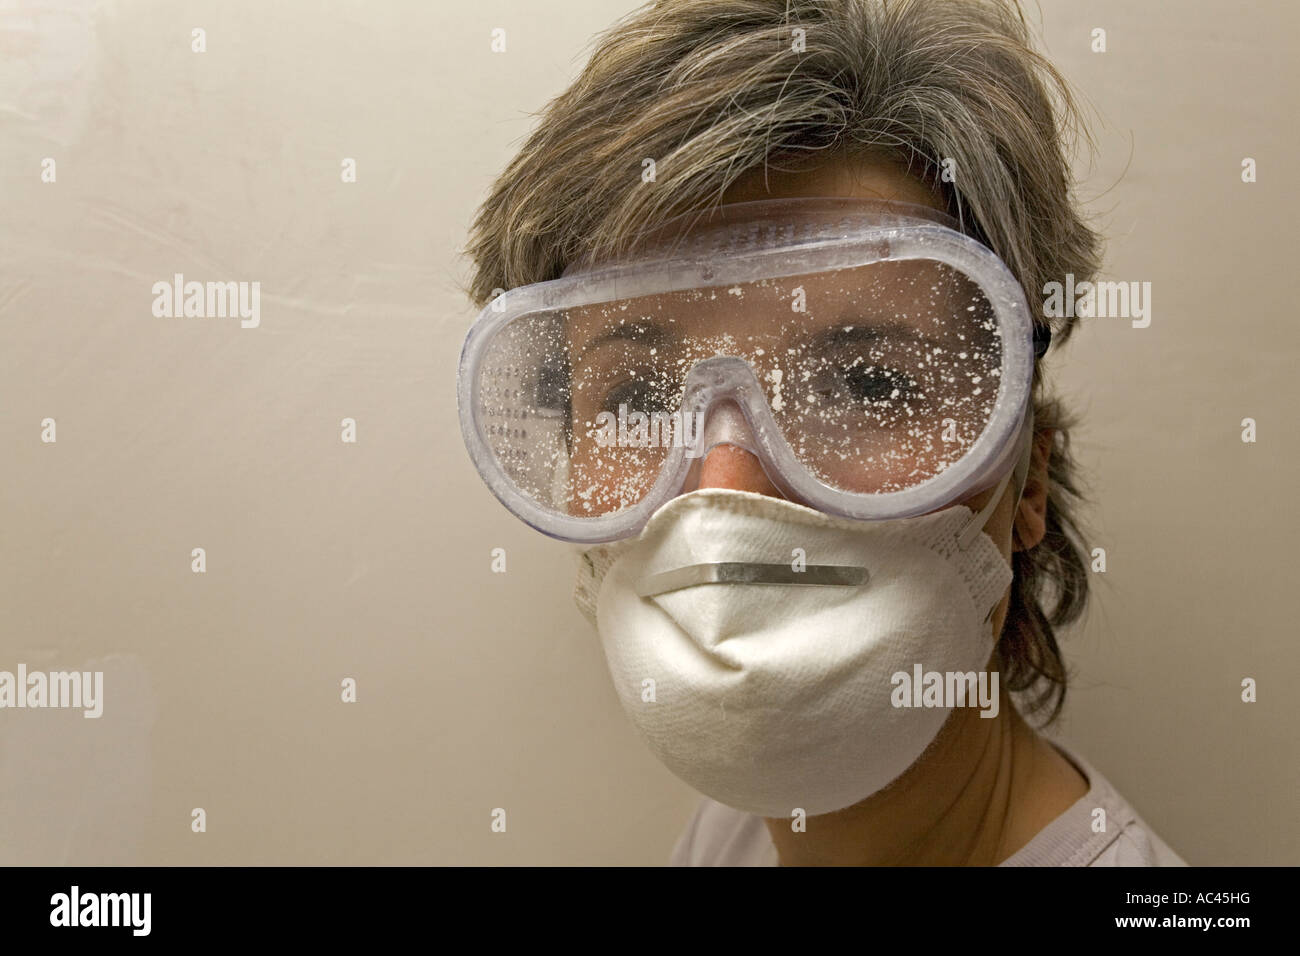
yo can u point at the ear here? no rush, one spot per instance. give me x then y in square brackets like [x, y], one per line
[1031, 514]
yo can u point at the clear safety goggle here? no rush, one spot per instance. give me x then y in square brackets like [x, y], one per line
[875, 360]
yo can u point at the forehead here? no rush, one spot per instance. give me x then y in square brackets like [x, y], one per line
[862, 175]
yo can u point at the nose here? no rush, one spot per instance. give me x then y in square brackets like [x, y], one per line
[727, 466]
[729, 460]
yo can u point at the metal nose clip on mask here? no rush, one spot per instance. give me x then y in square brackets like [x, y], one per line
[875, 359]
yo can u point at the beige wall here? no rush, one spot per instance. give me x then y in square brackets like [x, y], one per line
[328, 560]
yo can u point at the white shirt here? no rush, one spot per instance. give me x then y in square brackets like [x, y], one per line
[718, 835]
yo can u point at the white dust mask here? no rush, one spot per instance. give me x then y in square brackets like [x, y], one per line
[767, 692]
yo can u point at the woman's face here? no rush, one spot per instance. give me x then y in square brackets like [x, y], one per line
[727, 466]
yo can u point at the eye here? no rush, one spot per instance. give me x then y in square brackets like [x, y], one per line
[647, 394]
[876, 384]
[862, 383]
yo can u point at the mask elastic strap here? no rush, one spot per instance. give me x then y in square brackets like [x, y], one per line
[1021, 475]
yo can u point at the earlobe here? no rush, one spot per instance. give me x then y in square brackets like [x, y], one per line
[1031, 514]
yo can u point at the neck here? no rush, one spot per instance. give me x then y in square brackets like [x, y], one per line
[982, 791]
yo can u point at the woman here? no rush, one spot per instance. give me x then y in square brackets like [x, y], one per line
[695, 437]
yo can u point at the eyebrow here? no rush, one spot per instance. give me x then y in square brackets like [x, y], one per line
[642, 333]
